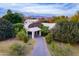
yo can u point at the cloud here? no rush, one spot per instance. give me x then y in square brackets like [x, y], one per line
[56, 9]
[43, 8]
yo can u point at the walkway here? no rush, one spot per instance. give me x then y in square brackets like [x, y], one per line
[40, 48]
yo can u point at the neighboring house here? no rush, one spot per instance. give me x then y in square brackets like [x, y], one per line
[31, 25]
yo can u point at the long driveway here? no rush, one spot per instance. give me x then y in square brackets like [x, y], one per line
[40, 48]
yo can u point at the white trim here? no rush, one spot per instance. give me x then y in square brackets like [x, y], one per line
[34, 29]
[33, 34]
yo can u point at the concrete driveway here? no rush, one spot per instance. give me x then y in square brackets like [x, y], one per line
[40, 48]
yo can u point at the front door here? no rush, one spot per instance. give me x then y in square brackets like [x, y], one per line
[36, 33]
[30, 34]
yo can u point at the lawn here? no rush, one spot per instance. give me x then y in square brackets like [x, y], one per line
[63, 49]
[5, 46]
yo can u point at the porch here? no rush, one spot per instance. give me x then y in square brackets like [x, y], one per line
[34, 32]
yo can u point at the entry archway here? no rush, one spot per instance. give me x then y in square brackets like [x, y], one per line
[34, 31]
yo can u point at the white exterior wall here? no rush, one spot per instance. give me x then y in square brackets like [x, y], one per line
[33, 34]
[50, 25]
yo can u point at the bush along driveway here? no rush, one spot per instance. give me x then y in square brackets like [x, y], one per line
[40, 48]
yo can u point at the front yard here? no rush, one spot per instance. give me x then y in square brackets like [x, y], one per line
[63, 49]
[5, 46]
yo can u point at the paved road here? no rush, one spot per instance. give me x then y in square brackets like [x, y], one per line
[40, 48]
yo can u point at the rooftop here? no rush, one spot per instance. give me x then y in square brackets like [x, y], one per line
[50, 25]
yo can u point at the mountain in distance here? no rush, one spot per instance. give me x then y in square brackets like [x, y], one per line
[38, 15]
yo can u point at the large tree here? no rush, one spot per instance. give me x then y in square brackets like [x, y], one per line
[75, 18]
[58, 19]
[13, 17]
[6, 29]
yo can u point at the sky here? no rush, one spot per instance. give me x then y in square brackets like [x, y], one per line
[41, 9]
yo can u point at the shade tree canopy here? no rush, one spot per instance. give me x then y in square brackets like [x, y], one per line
[13, 17]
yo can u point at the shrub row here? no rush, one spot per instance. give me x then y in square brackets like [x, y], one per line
[66, 32]
[49, 38]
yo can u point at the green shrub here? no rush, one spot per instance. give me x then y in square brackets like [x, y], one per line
[22, 35]
[17, 50]
[44, 30]
[49, 38]
[6, 29]
[66, 32]
[18, 27]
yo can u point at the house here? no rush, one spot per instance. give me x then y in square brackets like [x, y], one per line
[31, 25]
[32, 29]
